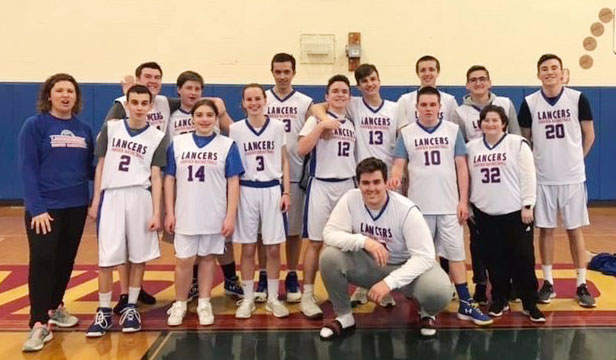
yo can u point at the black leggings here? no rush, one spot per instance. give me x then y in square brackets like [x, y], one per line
[52, 257]
[508, 252]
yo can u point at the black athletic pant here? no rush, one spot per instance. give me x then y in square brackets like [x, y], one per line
[508, 252]
[52, 257]
[479, 267]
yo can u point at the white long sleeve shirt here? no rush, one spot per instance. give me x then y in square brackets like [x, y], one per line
[398, 225]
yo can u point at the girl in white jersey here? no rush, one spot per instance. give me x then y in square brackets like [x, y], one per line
[332, 167]
[503, 194]
[202, 168]
[263, 149]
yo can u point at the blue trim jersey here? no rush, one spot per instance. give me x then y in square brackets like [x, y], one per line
[333, 158]
[431, 156]
[469, 114]
[557, 135]
[407, 107]
[128, 158]
[55, 158]
[375, 129]
[158, 116]
[260, 149]
[495, 174]
[292, 111]
[201, 166]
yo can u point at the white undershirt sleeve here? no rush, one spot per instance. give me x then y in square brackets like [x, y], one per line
[528, 178]
[338, 230]
[421, 249]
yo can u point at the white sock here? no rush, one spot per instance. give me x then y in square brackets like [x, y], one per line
[184, 304]
[272, 289]
[104, 300]
[133, 294]
[203, 302]
[581, 276]
[248, 287]
[547, 273]
[345, 320]
[308, 290]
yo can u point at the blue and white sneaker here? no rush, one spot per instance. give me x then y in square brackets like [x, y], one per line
[469, 310]
[102, 323]
[291, 283]
[233, 287]
[193, 292]
[130, 319]
[261, 293]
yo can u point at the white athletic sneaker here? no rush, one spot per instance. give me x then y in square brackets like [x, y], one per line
[388, 301]
[245, 309]
[310, 308]
[61, 318]
[176, 314]
[276, 308]
[38, 337]
[359, 297]
[206, 315]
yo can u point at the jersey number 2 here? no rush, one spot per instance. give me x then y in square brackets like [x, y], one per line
[124, 162]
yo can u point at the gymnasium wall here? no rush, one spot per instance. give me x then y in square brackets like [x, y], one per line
[231, 42]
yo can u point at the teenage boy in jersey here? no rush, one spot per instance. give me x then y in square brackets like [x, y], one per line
[435, 153]
[479, 85]
[398, 251]
[190, 89]
[292, 108]
[131, 154]
[376, 129]
[332, 167]
[558, 121]
[427, 69]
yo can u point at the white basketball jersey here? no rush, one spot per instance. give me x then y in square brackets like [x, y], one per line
[386, 227]
[557, 138]
[260, 149]
[181, 122]
[333, 158]
[375, 129]
[158, 116]
[292, 111]
[470, 115]
[407, 107]
[432, 170]
[495, 174]
[201, 203]
[128, 159]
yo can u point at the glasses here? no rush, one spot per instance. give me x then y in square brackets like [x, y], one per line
[478, 79]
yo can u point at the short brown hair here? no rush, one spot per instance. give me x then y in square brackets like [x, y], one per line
[43, 104]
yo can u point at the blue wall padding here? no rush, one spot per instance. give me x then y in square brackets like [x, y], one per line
[18, 100]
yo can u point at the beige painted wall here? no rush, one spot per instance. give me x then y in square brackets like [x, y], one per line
[232, 41]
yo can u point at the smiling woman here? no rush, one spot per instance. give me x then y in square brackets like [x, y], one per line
[55, 163]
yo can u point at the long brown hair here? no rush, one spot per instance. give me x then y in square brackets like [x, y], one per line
[43, 104]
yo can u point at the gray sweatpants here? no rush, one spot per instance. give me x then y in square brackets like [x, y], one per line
[432, 289]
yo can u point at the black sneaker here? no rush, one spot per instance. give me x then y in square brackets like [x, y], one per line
[546, 293]
[498, 308]
[534, 314]
[427, 327]
[583, 297]
[146, 298]
[480, 296]
[122, 302]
